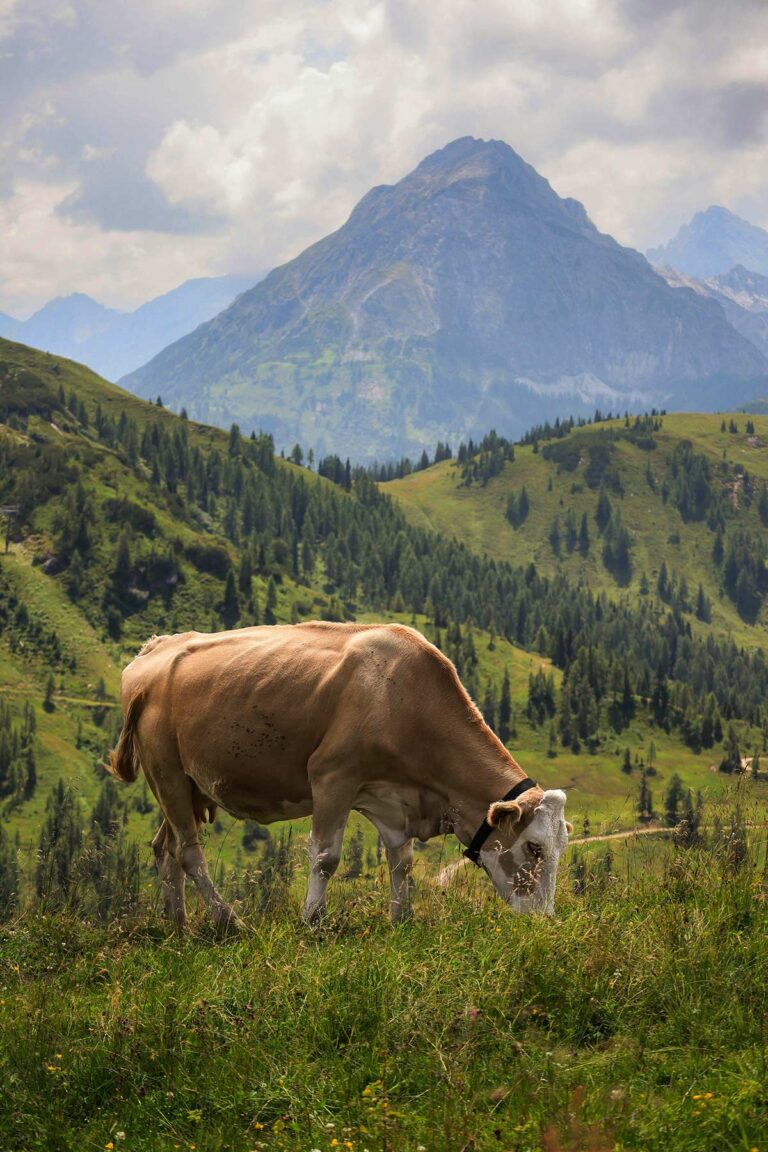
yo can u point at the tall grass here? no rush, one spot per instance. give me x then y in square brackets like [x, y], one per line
[636, 1019]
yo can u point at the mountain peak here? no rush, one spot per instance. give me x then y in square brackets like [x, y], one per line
[466, 296]
[712, 243]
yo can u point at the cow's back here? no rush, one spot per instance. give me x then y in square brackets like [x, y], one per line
[246, 709]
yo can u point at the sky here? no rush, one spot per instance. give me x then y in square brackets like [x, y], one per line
[143, 143]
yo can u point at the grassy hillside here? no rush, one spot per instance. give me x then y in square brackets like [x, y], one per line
[565, 476]
[134, 521]
[561, 476]
[634, 1020]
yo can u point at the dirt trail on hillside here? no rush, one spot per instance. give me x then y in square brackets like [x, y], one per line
[448, 874]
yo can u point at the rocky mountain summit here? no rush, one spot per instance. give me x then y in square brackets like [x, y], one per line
[713, 243]
[468, 295]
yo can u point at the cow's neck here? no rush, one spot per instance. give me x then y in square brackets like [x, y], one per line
[477, 770]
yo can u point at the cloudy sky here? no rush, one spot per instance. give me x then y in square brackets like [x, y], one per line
[144, 142]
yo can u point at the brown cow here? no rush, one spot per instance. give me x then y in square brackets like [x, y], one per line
[275, 723]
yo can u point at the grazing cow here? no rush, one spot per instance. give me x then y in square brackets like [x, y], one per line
[275, 723]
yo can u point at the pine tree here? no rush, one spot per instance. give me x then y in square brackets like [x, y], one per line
[270, 603]
[604, 511]
[489, 706]
[554, 536]
[584, 535]
[672, 800]
[61, 839]
[505, 708]
[552, 745]
[731, 761]
[230, 605]
[50, 687]
[245, 575]
[645, 801]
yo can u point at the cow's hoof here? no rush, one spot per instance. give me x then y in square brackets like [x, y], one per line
[229, 924]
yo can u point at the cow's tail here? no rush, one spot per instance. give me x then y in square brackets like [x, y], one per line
[123, 761]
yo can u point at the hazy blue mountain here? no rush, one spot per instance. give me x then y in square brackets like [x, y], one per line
[712, 243]
[113, 342]
[9, 328]
[743, 296]
[468, 295]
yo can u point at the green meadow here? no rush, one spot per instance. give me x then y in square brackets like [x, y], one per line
[634, 1019]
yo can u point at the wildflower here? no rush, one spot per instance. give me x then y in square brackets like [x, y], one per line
[119, 1135]
[109, 1146]
[57, 1056]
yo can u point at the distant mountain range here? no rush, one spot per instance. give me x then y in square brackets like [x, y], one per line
[714, 242]
[466, 296]
[112, 342]
[743, 296]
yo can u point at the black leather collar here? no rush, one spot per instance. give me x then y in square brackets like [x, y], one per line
[473, 852]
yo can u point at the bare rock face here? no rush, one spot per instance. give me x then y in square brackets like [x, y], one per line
[713, 243]
[469, 295]
[743, 296]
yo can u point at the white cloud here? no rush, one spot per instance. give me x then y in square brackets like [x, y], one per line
[206, 137]
[40, 251]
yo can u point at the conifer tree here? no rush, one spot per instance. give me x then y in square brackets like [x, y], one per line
[505, 708]
[584, 535]
[230, 606]
[50, 687]
[270, 603]
[672, 800]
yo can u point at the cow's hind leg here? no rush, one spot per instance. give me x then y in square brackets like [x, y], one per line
[400, 861]
[172, 877]
[176, 795]
[189, 854]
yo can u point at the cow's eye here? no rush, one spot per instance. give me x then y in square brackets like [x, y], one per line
[534, 849]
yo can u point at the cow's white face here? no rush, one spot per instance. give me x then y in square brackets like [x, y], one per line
[522, 854]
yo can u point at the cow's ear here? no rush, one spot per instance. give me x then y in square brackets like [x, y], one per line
[502, 810]
[568, 827]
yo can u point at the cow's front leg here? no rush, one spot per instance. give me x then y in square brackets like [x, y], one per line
[324, 855]
[400, 861]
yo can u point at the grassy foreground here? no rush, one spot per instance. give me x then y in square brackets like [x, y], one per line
[636, 1019]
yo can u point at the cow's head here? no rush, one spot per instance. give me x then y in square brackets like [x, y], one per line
[523, 851]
